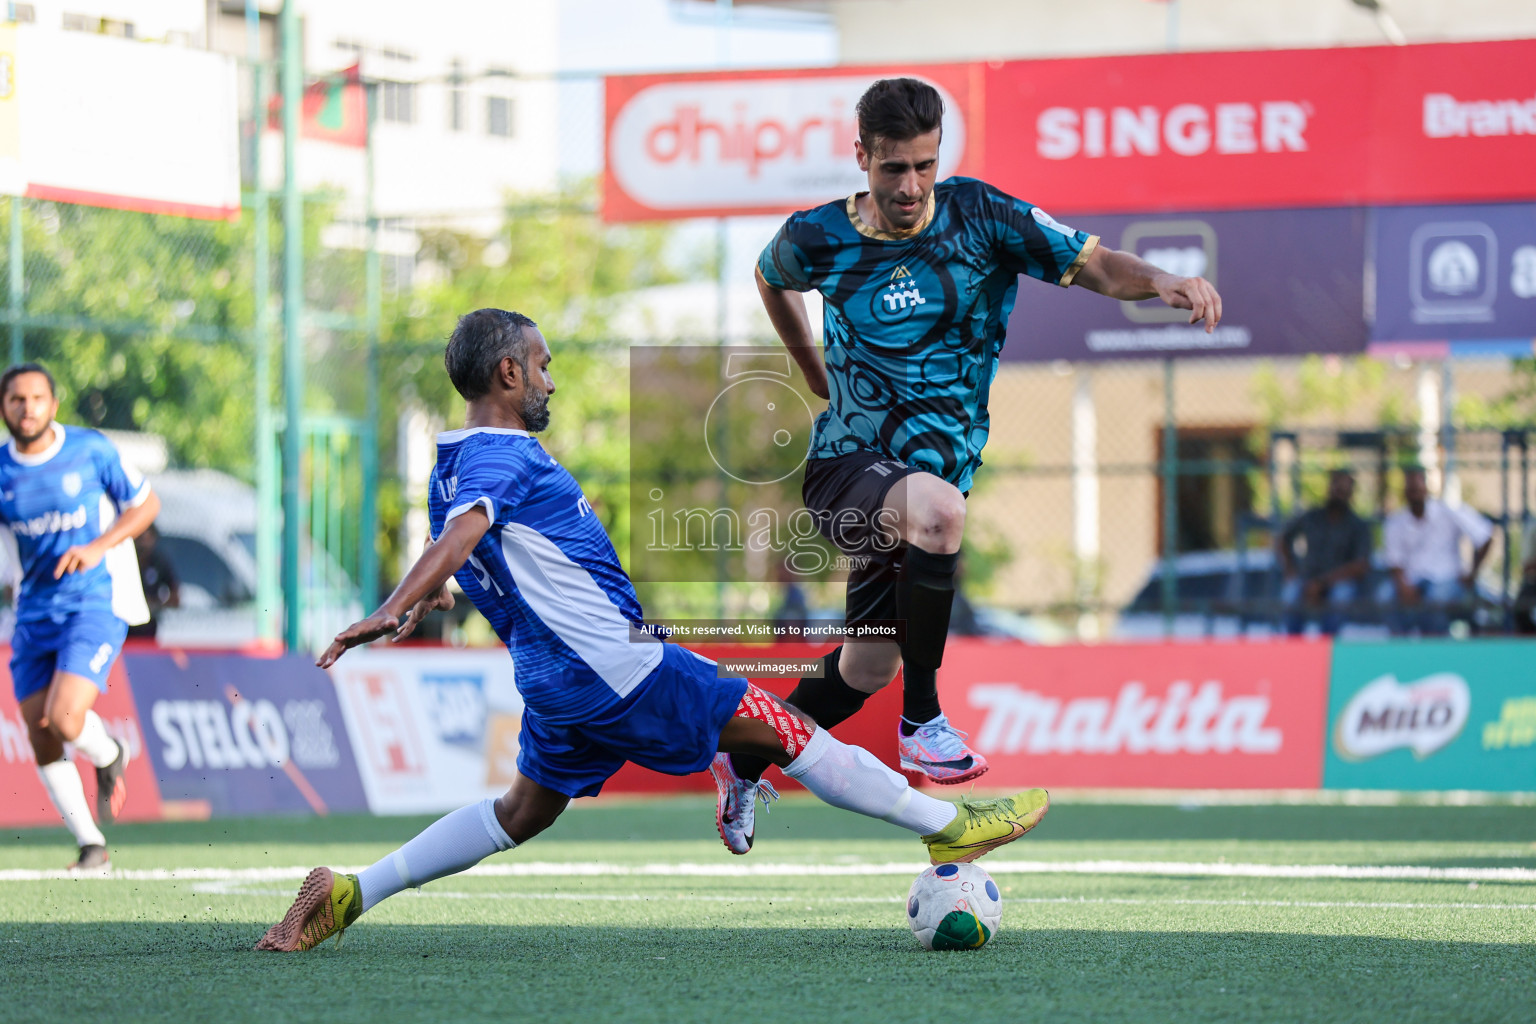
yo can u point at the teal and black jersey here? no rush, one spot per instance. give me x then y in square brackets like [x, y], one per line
[915, 322]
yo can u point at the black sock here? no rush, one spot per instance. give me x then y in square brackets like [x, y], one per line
[827, 700]
[925, 594]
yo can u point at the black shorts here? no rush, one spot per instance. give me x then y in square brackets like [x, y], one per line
[846, 494]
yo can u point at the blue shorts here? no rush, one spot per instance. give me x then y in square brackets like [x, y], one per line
[671, 723]
[84, 644]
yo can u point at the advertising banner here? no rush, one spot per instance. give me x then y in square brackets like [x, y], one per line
[1291, 282]
[1347, 126]
[1225, 716]
[22, 798]
[123, 124]
[726, 143]
[432, 728]
[1456, 273]
[233, 735]
[1434, 714]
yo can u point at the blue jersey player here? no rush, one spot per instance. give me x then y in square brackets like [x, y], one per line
[511, 525]
[918, 280]
[69, 510]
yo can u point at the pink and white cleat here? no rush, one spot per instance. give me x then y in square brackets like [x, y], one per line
[939, 751]
[736, 807]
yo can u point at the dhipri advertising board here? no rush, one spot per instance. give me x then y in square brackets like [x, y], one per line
[763, 142]
[1158, 716]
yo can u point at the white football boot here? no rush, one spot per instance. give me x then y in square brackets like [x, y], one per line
[736, 807]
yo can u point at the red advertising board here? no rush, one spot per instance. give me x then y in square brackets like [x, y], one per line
[725, 143]
[22, 798]
[1176, 716]
[1438, 123]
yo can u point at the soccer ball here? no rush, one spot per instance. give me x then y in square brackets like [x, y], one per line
[954, 906]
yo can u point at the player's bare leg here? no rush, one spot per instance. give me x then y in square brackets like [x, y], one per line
[328, 903]
[854, 779]
[62, 714]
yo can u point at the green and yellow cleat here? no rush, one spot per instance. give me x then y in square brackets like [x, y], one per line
[326, 905]
[984, 825]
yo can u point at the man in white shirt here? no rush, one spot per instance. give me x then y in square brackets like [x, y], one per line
[1422, 544]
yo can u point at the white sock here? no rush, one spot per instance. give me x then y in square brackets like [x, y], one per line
[854, 779]
[93, 741]
[62, 781]
[450, 844]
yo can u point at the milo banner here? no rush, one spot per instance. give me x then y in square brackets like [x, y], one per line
[1432, 715]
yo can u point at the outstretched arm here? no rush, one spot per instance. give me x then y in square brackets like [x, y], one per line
[786, 310]
[1126, 276]
[425, 580]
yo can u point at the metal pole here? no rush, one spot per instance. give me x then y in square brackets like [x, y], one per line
[293, 310]
[1172, 26]
[368, 549]
[268, 588]
[1170, 496]
[1505, 596]
[18, 285]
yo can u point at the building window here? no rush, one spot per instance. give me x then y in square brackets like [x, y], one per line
[399, 102]
[23, 13]
[498, 116]
[457, 114]
[81, 23]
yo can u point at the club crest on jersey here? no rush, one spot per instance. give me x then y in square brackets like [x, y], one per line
[71, 484]
[899, 298]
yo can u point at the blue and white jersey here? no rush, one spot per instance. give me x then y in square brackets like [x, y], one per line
[65, 496]
[545, 574]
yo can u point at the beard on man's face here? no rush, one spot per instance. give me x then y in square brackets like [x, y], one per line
[23, 436]
[535, 410]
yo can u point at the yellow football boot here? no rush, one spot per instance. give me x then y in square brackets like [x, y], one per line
[984, 825]
[326, 905]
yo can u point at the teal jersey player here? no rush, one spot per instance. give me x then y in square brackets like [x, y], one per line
[915, 320]
[918, 278]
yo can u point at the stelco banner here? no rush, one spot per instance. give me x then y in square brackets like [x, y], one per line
[1438, 714]
[234, 735]
[1360, 126]
[1229, 716]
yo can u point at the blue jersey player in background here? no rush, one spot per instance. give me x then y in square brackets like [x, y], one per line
[69, 510]
[511, 525]
[918, 280]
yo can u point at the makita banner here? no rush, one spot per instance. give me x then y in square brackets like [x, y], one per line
[727, 143]
[1433, 714]
[1223, 716]
[1353, 126]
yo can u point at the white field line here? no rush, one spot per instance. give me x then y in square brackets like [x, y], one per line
[238, 889]
[544, 869]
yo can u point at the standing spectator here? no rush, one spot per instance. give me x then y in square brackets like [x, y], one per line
[1337, 556]
[161, 587]
[1423, 550]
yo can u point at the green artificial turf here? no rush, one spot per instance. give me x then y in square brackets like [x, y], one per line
[1140, 945]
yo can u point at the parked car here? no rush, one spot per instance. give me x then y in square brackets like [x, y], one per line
[1231, 594]
[207, 526]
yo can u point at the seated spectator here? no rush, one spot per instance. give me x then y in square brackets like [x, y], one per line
[1525, 600]
[1337, 556]
[1422, 544]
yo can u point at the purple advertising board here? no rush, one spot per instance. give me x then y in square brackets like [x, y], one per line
[1291, 282]
[245, 735]
[1456, 274]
